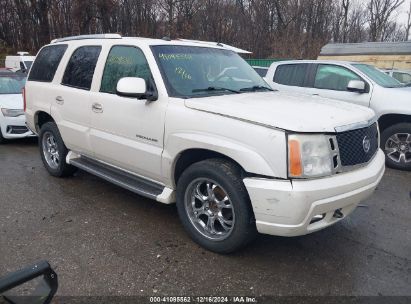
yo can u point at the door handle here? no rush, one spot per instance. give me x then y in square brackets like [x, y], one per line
[97, 108]
[59, 100]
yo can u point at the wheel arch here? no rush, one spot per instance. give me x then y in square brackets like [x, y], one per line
[388, 120]
[40, 118]
[191, 156]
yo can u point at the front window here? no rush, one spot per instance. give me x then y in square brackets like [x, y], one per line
[11, 85]
[190, 71]
[333, 77]
[379, 77]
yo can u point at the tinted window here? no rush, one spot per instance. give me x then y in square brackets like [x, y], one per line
[46, 63]
[291, 74]
[80, 69]
[333, 77]
[124, 61]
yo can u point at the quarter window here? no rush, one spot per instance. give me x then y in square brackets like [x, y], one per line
[124, 61]
[291, 74]
[332, 77]
[80, 69]
[46, 63]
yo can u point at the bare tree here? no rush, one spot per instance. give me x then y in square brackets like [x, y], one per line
[380, 12]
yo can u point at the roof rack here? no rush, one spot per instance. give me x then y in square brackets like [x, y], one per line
[84, 37]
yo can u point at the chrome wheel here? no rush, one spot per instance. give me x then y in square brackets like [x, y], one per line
[398, 148]
[50, 150]
[209, 209]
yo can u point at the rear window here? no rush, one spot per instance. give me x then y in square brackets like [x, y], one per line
[47, 62]
[291, 74]
[11, 84]
[80, 69]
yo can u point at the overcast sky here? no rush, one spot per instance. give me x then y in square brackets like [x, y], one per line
[402, 12]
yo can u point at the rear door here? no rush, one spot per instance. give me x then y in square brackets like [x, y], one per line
[331, 81]
[71, 106]
[290, 77]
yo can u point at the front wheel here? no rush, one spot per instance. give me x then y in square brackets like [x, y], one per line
[53, 151]
[396, 142]
[214, 206]
[2, 140]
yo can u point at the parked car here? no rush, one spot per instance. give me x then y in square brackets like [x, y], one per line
[360, 84]
[402, 76]
[195, 124]
[262, 71]
[12, 119]
[21, 62]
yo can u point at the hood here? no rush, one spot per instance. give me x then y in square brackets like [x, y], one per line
[288, 111]
[11, 101]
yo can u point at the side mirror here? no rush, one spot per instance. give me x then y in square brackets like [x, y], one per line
[356, 86]
[132, 87]
[40, 273]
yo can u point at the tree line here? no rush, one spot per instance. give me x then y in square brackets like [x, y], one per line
[268, 28]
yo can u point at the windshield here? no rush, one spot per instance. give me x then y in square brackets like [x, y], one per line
[190, 71]
[11, 85]
[378, 76]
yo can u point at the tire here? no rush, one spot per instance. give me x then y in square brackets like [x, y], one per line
[2, 139]
[396, 143]
[55, 159]
[224, 180]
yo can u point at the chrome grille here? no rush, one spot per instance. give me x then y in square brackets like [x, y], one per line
[358, 146]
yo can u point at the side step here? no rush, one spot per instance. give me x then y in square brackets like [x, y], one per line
[118, 177]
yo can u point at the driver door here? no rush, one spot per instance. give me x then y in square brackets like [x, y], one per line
[127, 132]
[331, 81]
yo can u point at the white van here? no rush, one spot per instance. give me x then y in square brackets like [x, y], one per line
[21, 62]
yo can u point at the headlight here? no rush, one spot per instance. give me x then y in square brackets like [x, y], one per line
[309, 156]
[12, 112]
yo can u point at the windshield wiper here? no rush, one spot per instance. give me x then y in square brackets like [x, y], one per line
[256, 88]
[211, 89]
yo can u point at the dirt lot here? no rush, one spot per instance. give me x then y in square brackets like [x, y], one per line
[103, 240]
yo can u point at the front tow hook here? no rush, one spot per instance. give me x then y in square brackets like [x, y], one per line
[338, 214]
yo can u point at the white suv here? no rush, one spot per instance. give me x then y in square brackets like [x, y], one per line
[192, 123]
[360, 84]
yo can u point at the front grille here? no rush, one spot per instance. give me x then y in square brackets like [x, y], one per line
[17, 130]
[353, 145]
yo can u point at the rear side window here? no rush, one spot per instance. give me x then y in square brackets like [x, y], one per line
[124, 61]
[47, 62]
[291, 74]
[80, 69]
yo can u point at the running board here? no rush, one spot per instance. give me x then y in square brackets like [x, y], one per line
[120, 178]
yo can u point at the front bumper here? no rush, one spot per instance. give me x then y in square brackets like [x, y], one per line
[14, 127]
[288, 208]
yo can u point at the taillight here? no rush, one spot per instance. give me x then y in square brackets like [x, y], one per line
[24, 98]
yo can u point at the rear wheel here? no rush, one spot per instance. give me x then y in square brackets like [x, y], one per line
[396, 142]
[53, 151]
[214, 206]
